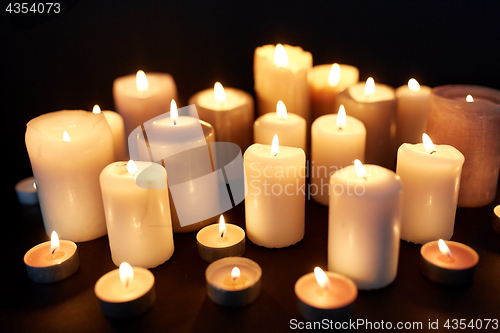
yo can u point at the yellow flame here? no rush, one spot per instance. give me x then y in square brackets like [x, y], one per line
[131, 167]
[219, 93]
[222, 226]
[334, 76]
[54, 242]
[360, 169]
[126, 274]
[275, 146]
[444, 248]
[174, 114]
[281, 110]
[323, 280]
[280, 56]
[235, 273]
[341, 118]
[469, 98]
[96, 109]
[413, 85]
[370, 86]
[141, 81]
[428, 145]
[66, 137]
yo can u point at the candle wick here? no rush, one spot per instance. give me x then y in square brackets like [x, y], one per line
[54, 250]
[222, 234]
[175, 122]
[340, 129]
[432, 152]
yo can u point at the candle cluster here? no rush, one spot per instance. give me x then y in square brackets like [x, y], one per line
[350, 130]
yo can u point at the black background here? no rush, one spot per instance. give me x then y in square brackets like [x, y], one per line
[69, 61]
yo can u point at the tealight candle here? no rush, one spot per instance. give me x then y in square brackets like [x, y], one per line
[52, 261]
[496, 219]
[125, 292]
[449, 263]
[233, 281]
[26, 191]
[325, 295]
[220, 240]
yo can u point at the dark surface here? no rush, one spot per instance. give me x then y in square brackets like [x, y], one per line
[69, 61]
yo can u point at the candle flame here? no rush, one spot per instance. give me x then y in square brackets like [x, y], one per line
[334, 76]
[275, 146]
[469, 98]
[222, 226]
[323, 280]
[280, 56]
[141, 81]
[131, 167]
[54, 242]
[126, 274]
[219, 93]
[174, 114]
[34, 184]
[66, 137]
[235, 273]
[96, 109]
[341, 118]
[281, 110]
[428, 145]
[370, 86]
[413, 85]
[360, 169]
[444, 248]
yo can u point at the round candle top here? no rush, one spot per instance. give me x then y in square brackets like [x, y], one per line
[223, 275]
[26, 185]
[339, 76]
[296, 58]
[210, 235]
[413, 88]
[113, 288]
[42, 256]
[370, 92]
[438, 155]
[341, 291]
[462, 256]
[496, 210]
[328, 124]
[140, 85]
[457, 94]
[265, 153]
[221, 99]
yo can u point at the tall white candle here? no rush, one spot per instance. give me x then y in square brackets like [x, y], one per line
[68, 150]
[431, 180]
[337, 140]
[364, 225]
[136, 203]
[275, 203]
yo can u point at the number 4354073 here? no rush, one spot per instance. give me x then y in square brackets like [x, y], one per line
[37, 7]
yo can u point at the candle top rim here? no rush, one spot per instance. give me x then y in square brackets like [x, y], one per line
[298, 58]
[291, 117]
[108, 287]
[64, 245]
[349, 75]
[443, 153]
[455, 247]
[383, 93]
[328, 124]
[158, 82]
[228, 264]
[456, 93]
[264, 152]
[240, 96]
[234, 235]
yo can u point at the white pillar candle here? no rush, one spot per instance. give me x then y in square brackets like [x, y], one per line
[413, 107]
[325, 82]
[230, 111]
[138, 97]
[431, 180]
[68, 150]
[336, 141]
[26, 191]
[117, 126]
[375, 106]
[137, 217]
[275, 202]
[364, 225]
[280, 73]
[290, 128]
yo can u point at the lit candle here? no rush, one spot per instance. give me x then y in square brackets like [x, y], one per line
[275, 202]
[325, 295]
[230, 111]
[26, 191]
[68, 150]
[496, 219]
[471, 127]
[375, 106]
[220, 240]
[448, 263]
[115, 122]
[52, 261]
[325, 82]
[336, 141]
[136, 203]
[280, 73]
[431, 178]
[364, 224]
[412, 111]
[290, 128]
[233, 281]
[140, 97]
[126, 292]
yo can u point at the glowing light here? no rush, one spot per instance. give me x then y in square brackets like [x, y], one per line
[370, 86]
[174, 114]
[222, 226]
[219, 93]
[341, 118]
[54, 242]
[281, 110]
[235, 273]
[275, 146]
[469, 98]
[96, 109]
[131, 167]
[280, 56]
[334, 76]
[126, 274]
[444, 248]
[428, 145]
[413, 85]
[66, 137]
[141, 81]
[323, 280]
[360, 169]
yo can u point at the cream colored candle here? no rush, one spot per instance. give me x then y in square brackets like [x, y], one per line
[291, 128]
[431, 179]
[325, 82]
[137, 217]
[412, 111]
[140, 97]
[364, 225]
[68, 150]
[337, 140]
[473, 128]
[375, 106]
[275, 203]
[280, 73]
[115, 122]
[230, 111]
